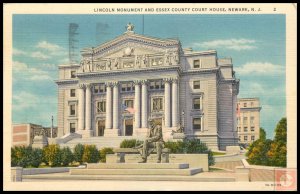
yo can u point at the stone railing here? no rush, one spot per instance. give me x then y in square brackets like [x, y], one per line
[128, 62]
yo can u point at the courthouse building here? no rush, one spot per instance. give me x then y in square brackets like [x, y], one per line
[248, 120]
[122, 83]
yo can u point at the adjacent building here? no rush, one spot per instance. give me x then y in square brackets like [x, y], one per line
[248, 120]
[23, 134]
[122, 83]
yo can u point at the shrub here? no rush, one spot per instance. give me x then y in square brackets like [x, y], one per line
[90, 154]
[103, 153]
[130, 143]
[26, 156]
[52, 155]
[191, 146]
[66, 156]
[78, 153]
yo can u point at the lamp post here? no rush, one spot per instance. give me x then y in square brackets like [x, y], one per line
[51, 135]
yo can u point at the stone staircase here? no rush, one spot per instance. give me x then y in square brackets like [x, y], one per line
[136, 171]
[100, 142]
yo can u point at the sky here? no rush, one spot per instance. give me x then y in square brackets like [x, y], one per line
[256, 44]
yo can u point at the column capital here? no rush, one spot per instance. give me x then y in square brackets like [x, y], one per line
[115, 84]
[137, 82]
[167, 80]
[144, 82]
[108, 84]
[81, 86]
[174, 79]
[88, 86]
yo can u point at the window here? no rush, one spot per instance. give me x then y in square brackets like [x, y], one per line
[156, 85]
[238, 120]
[245, 138]
[127, 87]
[197, 124]
[128, 103]
[100, 88]
[239, 129]
[72, 92]
[196, 63]
[245, 129]
[252, 137]
[196, 85]
[251, 120]
[72, 127]
[101, 106]
[252, 104]
[252, 129]
[245, 120]
[239, 138]
[245, 104]
[157, 104]
[196, 103]
[73, 74]
[72, 109]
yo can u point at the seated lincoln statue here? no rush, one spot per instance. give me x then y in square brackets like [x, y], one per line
[153, 140]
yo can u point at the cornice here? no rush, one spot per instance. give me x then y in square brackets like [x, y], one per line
[66, 81]
[123, 71]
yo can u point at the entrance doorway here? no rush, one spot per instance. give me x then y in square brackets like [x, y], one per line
[101, 127]
[128, 127]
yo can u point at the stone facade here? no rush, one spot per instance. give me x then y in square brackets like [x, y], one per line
[120, 84]
[248, 120]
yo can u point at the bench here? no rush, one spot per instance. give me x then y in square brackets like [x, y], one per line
[121, 152]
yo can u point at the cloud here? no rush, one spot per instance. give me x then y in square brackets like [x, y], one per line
[39, 55]
[24, 100]
[49, 66]
[232, 44]
[51, 49]
[264, 68]
[30, 73]
[18, 52]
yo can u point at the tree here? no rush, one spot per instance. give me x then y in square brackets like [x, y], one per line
[262, 134]
[280, 131]
[78, 153]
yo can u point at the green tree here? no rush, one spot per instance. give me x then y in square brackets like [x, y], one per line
[66, 156]
[90, 154]
[52, 155]
[78, 153]
[257, 152]
[280, 131]
[262, 134]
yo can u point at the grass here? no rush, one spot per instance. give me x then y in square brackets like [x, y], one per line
[218, 153]
[214, 169]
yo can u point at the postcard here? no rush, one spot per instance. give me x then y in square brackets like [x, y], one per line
[150, 97]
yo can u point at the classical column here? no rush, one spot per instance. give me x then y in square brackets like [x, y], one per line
[108, 119]
[80, 92]
[174, 102]
[115, 105]
[137, 104]
[88, 106]
[167, 103]
[201, 102]
[144, 104]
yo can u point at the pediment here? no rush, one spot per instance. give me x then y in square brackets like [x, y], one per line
[130, 44]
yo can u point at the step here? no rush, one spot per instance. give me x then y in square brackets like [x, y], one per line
[201, 177]
[181, 172]
[137, 166]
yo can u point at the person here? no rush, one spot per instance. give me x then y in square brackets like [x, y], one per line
[153, 139]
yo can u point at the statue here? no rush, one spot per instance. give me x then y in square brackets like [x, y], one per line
[43, 132]
[153, 140]
[129, 27]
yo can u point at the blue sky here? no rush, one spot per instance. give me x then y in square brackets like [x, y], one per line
[256, 44]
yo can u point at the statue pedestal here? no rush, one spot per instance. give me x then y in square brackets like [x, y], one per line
[179, 136]
[40, 141]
